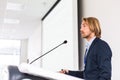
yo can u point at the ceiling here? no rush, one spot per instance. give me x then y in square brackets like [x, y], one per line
[28, 17]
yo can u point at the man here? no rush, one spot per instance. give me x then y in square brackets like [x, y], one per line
[98, 55]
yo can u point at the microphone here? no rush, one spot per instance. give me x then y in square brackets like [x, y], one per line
[64, 42]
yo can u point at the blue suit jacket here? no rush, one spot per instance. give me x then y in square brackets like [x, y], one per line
[98, 62]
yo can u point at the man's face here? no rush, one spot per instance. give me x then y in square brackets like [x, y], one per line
[85, 30]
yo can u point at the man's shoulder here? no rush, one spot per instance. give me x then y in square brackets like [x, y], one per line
[101, 43]
[98, 40]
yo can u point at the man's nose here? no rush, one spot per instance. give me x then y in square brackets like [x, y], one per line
[81, 28]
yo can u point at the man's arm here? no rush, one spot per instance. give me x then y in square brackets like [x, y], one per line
[79, 74]
[104, 62]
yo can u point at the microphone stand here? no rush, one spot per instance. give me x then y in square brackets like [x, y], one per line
[48, 51]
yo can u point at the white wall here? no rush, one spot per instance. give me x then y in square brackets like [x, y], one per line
[24, 51]
[34, 46]
[60, 25]
[108, 12]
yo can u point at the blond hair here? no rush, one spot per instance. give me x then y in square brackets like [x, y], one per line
[94, 25]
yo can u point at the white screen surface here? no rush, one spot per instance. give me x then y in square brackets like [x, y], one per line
[57, 27]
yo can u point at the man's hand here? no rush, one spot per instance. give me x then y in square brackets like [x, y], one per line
[64, 71]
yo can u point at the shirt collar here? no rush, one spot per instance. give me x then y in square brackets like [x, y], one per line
[88, 44]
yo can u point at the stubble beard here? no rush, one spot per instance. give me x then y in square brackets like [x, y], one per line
[86, 36]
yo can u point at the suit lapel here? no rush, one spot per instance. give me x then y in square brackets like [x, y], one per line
[91, 47]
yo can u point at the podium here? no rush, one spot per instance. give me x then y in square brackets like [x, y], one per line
[15, 74]
[29, 72]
